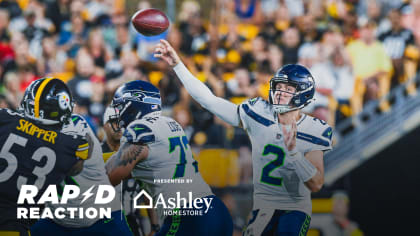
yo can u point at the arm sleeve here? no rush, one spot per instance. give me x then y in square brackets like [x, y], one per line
[224, 109]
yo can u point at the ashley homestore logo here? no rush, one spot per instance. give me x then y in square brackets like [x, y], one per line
[176, 205]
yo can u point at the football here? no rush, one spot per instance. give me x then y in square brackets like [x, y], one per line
[150, 22]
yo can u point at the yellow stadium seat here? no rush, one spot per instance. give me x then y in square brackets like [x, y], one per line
[219, 167]
[322, 205]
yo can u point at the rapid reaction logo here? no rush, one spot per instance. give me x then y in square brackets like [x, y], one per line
[56, 204]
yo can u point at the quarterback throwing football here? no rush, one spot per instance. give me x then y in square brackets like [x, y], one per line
[287, 145]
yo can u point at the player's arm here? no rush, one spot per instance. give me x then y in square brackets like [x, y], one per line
[309, 167]
[224, 109]
[83, 153]
[153, 218]
[120, 164]
[316, 158]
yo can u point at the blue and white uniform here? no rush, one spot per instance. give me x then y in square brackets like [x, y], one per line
[276, 184]
[170, 158]
[282, 203]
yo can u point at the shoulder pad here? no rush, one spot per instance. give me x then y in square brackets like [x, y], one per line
[77, 126]
[258, 110]
[138, 133]
[316, 132]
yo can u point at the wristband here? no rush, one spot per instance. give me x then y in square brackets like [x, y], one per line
[304, 168]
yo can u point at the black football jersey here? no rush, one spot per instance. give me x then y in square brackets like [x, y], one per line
[33, 154]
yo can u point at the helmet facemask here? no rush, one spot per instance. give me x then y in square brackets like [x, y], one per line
[299, 98]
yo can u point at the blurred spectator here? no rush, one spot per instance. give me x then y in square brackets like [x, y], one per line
[12, 7]
[258, 54]
[194, 36]
[275, 58]
[263, 77]
[81, 84]
[125, 70]
[337, 224]
[340, 67]
[240, 85]
[123, 43]
[183, 116]
[4, 23]
[13, 94]
[290, 45]
[248, 11]
[26, 75]
[73, 35]
[411, 20]
[371, 64]
[295, 7]
[58, 12]
[53, 59]
[97, 48]
[4, 103]
[395, 42]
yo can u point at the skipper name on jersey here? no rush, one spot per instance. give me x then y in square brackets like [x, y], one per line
[104, 195]
[33, 130]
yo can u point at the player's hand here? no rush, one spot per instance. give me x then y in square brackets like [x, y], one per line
[166, 52]
[289, 134]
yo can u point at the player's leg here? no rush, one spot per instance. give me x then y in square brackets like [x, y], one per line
[217, 221]
[293, 223]
[47, 227]
[262, 222]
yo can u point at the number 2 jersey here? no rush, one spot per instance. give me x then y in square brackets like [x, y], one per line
[276, 185]
[169, 158]
[33, 154]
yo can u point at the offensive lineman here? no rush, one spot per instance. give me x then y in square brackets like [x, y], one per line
[287, 146]
[154, 148]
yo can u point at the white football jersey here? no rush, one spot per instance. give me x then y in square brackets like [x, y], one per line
[169, 159]
[276, 185]
[92, 175]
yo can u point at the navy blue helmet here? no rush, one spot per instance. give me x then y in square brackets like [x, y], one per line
[134, 100]
[300, 78]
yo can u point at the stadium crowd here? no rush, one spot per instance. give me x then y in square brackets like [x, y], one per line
[357, 50]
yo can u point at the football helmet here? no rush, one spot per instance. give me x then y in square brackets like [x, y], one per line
[47, 101]
[134, 100]
[300, 78]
